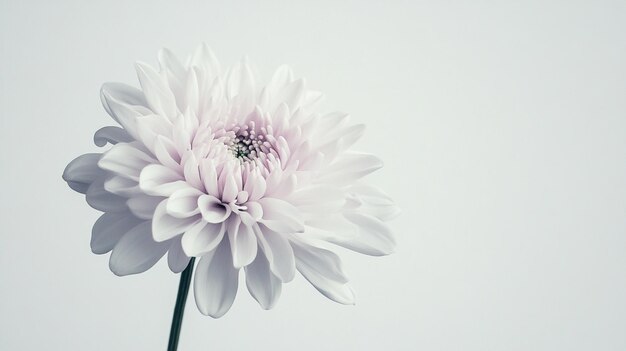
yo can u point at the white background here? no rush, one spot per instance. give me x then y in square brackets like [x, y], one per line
[502, 126]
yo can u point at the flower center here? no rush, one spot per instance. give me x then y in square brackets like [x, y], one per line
[247, 142]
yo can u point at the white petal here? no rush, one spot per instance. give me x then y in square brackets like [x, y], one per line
[82, 171]
[262, 284]
[112, 135]
[122, 186]
[184, 203]
[281, 216]
[108, 230]
[374, 237]
[318, 198]
[102, 200]
[192, 171]
[209, 177]
[242, 243]
[216, 282]
[166, 153]
[158, 94]
[350, 167]
[165, 227]
[143, 206]
[202, 238]
[123, 106]
[212, 209]
[255, 186]
[278, 252]
[159, 180]
[126, 160]
[176, 258]
[136, 252]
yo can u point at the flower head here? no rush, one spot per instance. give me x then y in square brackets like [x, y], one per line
[212, 165]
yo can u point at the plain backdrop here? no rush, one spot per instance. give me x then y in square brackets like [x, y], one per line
[502, 125]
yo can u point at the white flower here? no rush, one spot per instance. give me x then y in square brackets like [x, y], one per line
[214, 166]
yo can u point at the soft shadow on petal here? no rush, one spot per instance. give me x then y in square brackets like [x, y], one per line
[165, 227]
[281, 216]
[373, 237]
[82, 171]
[278, 252]
[176, 258]
[216, 282]
[109, 229]
[262, 284]
[136, 252]
[202, 237]
[242, 242]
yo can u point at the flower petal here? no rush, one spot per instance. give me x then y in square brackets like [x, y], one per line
[278, 252]
[159, 180]
[126, 160]
[262, 284]
[136, 252]
[212, 209]
[281, 216]
[143, 206]
[350, 167]
[202, 238]
[176, 258]
[242, 243]
[111, 135]
[102, 200]
[109, 229]
[165, 227]
[184, 203]
[82, 171]
[158, 94]
[216, 282]
[374, 236]
[322, 268]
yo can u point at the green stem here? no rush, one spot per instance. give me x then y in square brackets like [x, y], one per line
[179, 309]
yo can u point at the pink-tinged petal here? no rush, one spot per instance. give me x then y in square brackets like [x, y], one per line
[109, 229]
[192, 171]
[158, 95]
[281, 216]
[209, 177]
[255, 186]
[184, 203]
[262, 284]
[111, 135]
[136, 252]
[216, 282]
[278, 252]
[230, 190]
[126, 160]
[202, 238]
[242, 243]
[165, 227]
[159, 180]
[374, 236]
[212, 209]
[102, 200]
[143, 206]
[255, 210]
[166, 153]
[82, 171]
[176, 258]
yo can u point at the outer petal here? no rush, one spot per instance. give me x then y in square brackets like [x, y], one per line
[278, 252]
[350, 167]
[322, 269]
[143, 206]
[374, 237]
[126, 160]
[203, 237]
[242, 243]
[176, 258]
[159, 180]
[82, 171]
[281, 216]
[155, 88]
[102, 200]
[216, 282]
[262, 284]
[165, 227]
[109, 229]
[112, 135]
[136, 252]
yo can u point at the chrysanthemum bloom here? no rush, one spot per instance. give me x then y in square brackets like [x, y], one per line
[211, 165]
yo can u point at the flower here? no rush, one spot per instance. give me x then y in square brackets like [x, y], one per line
[211, 165]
